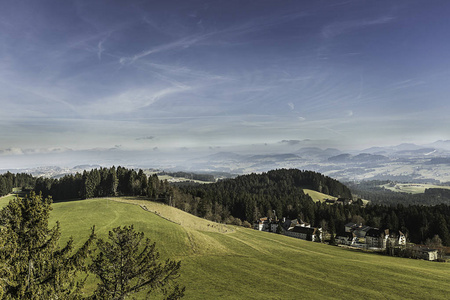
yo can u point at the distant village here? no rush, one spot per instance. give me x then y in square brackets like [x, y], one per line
[356, 236]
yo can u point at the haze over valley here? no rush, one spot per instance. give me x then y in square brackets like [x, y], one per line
[428, 163]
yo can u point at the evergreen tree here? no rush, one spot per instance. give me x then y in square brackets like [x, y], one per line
[143, 183]
[128, 264]
[37, 268]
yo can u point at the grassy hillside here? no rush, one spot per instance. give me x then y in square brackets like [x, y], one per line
[317, 196]
[238, 263]
[321, 197]
[5, 200]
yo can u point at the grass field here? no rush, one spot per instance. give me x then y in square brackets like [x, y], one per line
[317, 196]
[412, 188]
[321, 197]
[5, 200]
[222, 262]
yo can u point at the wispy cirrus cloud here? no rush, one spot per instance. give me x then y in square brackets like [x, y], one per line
[130, 100]
[178, 44]
[338, 28]
[250, 26]
[100, 48]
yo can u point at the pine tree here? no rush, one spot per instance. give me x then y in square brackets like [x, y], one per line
[33, 264]
[127, 264]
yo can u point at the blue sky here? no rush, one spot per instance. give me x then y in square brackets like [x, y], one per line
[167, 75]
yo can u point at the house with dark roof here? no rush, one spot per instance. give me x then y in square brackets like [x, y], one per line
[305, 233]
[425, 253]
[330, 201]
[361, 231]
[345, 201]
[347, 238]
[262, 224]
[349, 227]
[377, 238]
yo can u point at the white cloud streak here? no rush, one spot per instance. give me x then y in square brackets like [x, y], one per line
[338, 28]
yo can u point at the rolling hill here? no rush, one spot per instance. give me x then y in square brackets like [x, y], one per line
[226, 262]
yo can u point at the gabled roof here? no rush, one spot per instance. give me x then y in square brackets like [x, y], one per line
[424, 249]
[375, 232]
[305, 230]
[348, 235]
[396, 234]
[365, 228]
[286, 224]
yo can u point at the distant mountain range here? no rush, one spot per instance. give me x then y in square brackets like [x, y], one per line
[404, 162]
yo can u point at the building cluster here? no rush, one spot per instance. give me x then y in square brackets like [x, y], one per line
[342, 201]
[362, 236]
[293, 228]
[366, 237]
[355, 235]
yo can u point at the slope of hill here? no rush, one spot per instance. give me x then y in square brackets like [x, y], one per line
[5, 199]
[317, 196]
[248, 264]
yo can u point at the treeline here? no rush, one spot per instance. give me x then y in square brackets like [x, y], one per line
[9, 181]
[104, 182]
[251, 196]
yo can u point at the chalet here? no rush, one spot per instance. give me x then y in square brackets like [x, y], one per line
[262, 224]
[330, 201]
[305, 233]
[425, 253]
[376, 238]
[266, 224]
[397, 238]
[348, 238]
[361, 231]
[287, 223]
[343, 201]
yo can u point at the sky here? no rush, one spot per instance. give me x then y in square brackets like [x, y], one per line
[168, 76]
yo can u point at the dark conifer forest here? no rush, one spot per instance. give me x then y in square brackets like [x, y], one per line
[244, 199]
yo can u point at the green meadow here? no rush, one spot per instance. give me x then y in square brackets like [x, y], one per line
[227, 262]
[321, 197]
[317, 196]
[237, 263]
[5, 199]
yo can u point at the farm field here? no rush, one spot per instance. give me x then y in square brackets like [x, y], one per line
[226, 262]
[413, 188]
